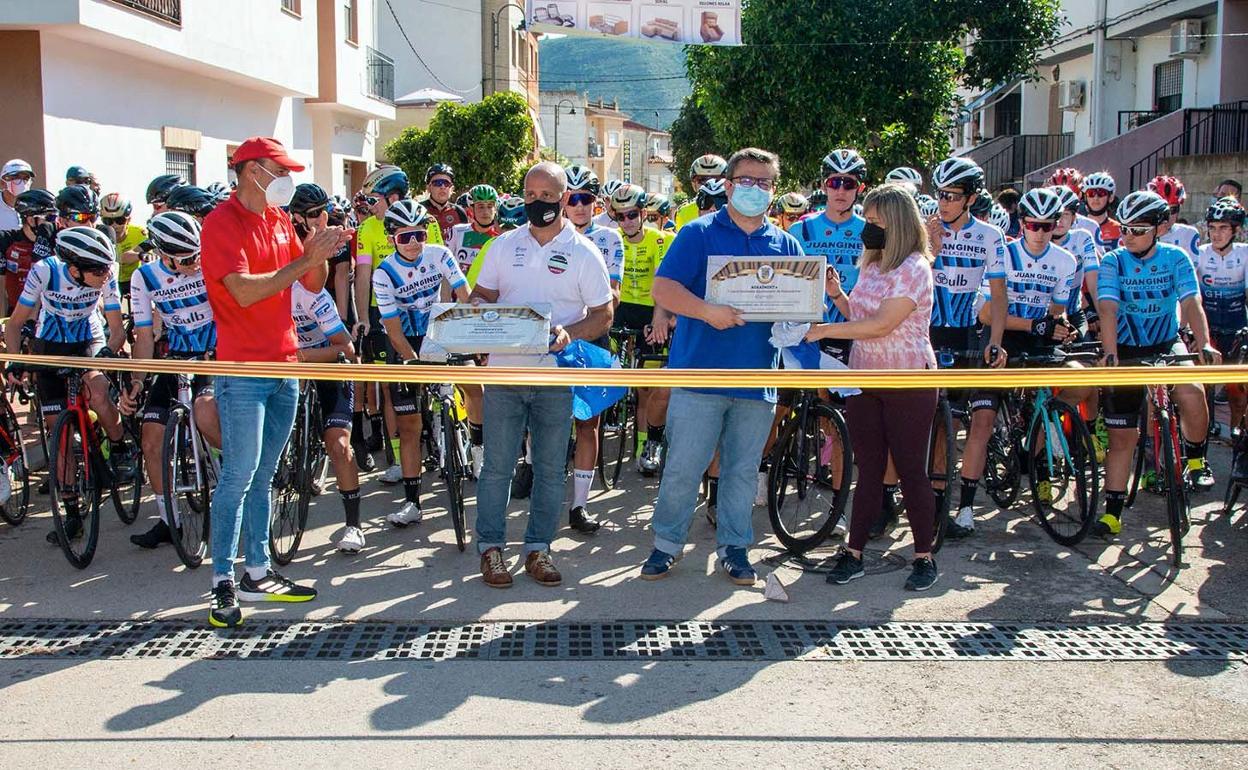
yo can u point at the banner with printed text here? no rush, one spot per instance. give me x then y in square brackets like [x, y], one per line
[700, 22]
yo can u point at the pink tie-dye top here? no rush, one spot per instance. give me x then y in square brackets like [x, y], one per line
[909, 345]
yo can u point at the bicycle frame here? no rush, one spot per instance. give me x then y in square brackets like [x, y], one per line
[185, 397]
[1053, 431]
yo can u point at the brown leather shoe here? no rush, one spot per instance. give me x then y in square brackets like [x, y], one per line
[542, 569]
[494, 569]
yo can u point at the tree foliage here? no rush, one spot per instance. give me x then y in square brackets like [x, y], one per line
[879, 75]
[692, 136]
[486, 143]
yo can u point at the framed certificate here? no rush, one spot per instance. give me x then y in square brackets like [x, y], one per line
[466, 329]
[768, 288]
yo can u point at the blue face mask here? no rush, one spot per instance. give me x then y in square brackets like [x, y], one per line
[750, 201]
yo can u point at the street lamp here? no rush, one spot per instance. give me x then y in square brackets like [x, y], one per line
[494, 53]
[571, 111]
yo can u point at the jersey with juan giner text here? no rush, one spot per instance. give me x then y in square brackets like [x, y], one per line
[315, 315]
[608, 241]
[1079, 244]
[407, 290]
[1185, 237]
[967, 258]
[641, 261]
[180, 300]
[839, 244]
[466, 242]
[1148, 292]
[1035, 282]
[68, 311]
[1223, 281]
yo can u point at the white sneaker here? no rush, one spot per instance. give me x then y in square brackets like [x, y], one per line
[478, 460]
[965, 518]
[352, 540]
[760, 494]
[841, 528]
[410, 513]
[392, 475]
[6, 483]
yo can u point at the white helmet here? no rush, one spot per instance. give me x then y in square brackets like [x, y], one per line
[17, 166]
[709, 165]
[928, 207]
[628, 196]
[84, 247]
[1143, 206]
[1100, 180]
[175, 233]
[961, 173]
[844, 162]
[999, 218]
[610, 187]
[905, 175]
[1040, 203]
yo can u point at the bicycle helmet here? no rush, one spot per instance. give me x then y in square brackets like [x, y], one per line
[982, 204]
[195, 201]
[219, 192]
[309, 201]
[437, 169]
[84, 247]
[175, 233]
[659, 204]
[1226, 210]
[793, 203]
[482, 193]
[708, 165]
[818, 198]
[1067, 197]
[1169, 188]
[928, 207]
[161, 186]
[999, 218]
[844, 162]
[511, 213]
[610, 187]
[1100, 180]
[905, 175]
[1040, 203]
[959, 174]
[115, 206]
[77, 175]
[403, 214]
[712, 195]
[1145, 207]
[386, 181]
[1070, 178]
[583, 179]
[34, 202]
[628, 196]
[77, 199]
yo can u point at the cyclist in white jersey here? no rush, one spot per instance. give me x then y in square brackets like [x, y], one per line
[1080, 244]
[1097, 195]
[323, 339]
[468, 239]
[1222, 267]
[1172, 231]
[606, 218]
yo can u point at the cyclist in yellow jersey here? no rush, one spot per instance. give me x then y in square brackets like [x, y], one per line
[115, 210]
[704, 169]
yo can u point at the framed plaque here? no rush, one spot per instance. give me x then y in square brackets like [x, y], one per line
[465, 329]
[768, 288]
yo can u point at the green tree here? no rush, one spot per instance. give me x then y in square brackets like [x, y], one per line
[487, 142]
[692, 137]
[878, 75]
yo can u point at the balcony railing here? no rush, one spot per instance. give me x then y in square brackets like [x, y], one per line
[1006, 160]
[380, 82]
[165, 10]
[1218, 130]
[1129, 119]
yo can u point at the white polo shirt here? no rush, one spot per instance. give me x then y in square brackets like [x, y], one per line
[568, 274]
[9, 219]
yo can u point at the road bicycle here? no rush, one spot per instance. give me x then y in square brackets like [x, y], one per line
[13, 453]
[190, 469]
[295, 477]
[447, 443]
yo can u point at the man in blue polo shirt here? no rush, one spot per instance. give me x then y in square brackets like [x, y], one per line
[709, 336]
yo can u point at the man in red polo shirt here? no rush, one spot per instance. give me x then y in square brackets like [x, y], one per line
[251, 256]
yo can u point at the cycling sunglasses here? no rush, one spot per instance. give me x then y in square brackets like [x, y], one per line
[114, 220]
[951, 197]
[186, 261]
[441, 183]
[81, 217]
[99, 270]
[629, 215]
[1096, 192]
[1039, 227]
[581, 199]
[1136, 230]
[841, 183]
[407, 236]
[371, 200]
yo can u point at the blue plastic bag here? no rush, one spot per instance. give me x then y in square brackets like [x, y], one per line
[590, 400]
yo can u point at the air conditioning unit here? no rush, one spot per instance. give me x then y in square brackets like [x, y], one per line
[1070, 95]
[1185, 39]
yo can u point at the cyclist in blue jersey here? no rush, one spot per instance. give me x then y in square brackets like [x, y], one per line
[1144, 287]
[1222, 266]
[171, 289]
[1040, 278]
[407, 284]
[324, 339]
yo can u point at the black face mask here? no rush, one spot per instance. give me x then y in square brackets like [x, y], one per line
[873, 236]
[539, 213]
[301, 230]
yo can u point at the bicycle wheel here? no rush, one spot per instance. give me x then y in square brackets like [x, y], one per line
[74, 489]
[613, 441]
[14, 509]
[1176, 484]
[942, 422]
[186, 489]
[1137, 465]
[284, 531]
[127, 489]
[1064, 480]
[802, 509]
[453, 475]
[1003, 474]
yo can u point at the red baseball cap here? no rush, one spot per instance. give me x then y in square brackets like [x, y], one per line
[260, 147]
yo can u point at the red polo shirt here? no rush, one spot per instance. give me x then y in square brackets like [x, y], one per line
[235, 240]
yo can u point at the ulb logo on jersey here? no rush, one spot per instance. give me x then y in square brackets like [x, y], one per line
[557, 264]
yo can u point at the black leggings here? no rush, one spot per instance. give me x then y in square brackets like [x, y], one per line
[900, 422]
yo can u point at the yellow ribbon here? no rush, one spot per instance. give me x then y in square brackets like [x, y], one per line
[665, 378]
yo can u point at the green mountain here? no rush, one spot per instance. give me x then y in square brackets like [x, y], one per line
[646, 77]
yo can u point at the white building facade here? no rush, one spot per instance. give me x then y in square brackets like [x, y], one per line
[131, 89]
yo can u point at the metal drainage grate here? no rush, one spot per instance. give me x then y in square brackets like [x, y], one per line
[623, 640]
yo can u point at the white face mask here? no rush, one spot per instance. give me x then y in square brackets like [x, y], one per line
[17, 186]
[280, 191]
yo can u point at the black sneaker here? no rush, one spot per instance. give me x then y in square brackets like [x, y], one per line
[273, 588]
[224, 611]
[522, 483]
[363, 457]
[159, 533]
[923, 575]
[73, 527]
[582, 521]
[848, 567]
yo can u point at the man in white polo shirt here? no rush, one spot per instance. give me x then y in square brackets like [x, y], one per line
[546, 262]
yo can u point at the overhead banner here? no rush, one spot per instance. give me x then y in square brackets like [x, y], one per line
[700, 22]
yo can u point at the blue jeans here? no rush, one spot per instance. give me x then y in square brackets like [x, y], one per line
[697, 424]
[256, 418]
[508, 411]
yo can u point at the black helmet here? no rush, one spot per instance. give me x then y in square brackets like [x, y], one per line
[309, 201]
[195, 201]
[162, 185]
[982, 206]
[34, 202]
[84, 247]
[77, 199]
[77, 175]
[439, 168]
